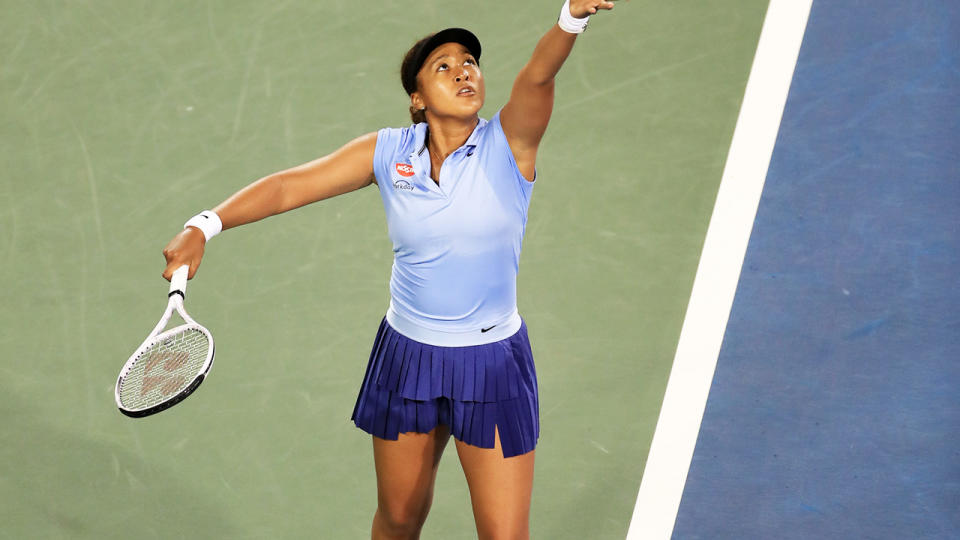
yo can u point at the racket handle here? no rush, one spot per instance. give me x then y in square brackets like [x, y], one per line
[178, 282]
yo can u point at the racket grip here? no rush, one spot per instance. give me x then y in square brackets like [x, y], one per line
[178, 282]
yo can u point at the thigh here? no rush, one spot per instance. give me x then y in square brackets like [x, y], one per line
[406, 470]
[500, 489]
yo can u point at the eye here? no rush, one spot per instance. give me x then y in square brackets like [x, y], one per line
[442, 67]
[470, 61]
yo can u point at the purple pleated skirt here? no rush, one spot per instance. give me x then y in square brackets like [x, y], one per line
[413, 387]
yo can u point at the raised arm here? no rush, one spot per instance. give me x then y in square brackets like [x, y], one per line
[527, 113]
[347, 169]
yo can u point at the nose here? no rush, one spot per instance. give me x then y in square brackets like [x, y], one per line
[463, 75]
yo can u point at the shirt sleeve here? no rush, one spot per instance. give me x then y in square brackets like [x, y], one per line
[388, 139]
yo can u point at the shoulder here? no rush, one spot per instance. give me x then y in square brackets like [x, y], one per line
[491, 131]
[491, 138]
[390, 139]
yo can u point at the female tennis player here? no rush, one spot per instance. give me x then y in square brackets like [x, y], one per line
[451, 355]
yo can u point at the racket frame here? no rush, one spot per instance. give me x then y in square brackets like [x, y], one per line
[176, 296]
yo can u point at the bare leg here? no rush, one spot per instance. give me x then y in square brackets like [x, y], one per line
[406, 470]
[500, 490]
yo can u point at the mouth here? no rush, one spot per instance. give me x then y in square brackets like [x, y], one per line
[466, 91]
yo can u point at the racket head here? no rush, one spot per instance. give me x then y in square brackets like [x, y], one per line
[164, 370]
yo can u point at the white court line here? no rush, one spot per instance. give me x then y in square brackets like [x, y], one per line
[719, 270]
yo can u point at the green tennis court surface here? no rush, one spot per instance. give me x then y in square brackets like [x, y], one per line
[123, 119]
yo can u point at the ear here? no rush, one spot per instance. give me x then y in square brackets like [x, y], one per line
[416, 101]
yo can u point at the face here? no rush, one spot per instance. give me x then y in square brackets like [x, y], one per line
[449, 83]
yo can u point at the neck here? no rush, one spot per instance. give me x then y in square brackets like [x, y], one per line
[447, 134]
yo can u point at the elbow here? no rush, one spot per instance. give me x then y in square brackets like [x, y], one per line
[282, 199]
[544, 84]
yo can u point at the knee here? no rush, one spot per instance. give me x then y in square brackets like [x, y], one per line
[401, 521]
[503, 529]
[505, 534]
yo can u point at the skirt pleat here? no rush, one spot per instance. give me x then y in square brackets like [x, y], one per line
[456, 364]
[436, 375]
[479, 380]
[508, 431]
[393, 374]
[501, 371]
[408, 379]
[423, 383]
[447, 389]
[467, 424]
[477, 390]
[466, 374]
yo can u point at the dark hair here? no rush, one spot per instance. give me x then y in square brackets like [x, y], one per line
[418, 116]
[413, 60]
[408, 76]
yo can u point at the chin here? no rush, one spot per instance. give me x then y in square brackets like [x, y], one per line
[464, 112]
[473, 107]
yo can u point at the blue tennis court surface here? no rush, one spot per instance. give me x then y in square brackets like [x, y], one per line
[835, 406]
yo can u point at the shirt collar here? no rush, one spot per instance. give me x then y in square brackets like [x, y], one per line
[469, 146]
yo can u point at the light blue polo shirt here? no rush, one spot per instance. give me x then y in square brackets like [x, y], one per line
[456, 245]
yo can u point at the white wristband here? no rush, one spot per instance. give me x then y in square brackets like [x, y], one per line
[207, 221]
[569, 23]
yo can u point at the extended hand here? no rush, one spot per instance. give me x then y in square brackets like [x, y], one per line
[583, 8]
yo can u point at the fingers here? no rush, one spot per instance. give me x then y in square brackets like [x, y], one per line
[168, 272]
[173, 264]
[186, 248]
[602, 5]
[176, 262]
[590, 7]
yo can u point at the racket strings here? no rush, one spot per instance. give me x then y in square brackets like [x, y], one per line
[164, 369]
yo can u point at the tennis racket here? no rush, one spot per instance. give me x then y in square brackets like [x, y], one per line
[169, 365]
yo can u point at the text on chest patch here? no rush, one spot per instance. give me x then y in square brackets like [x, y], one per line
[404, 169]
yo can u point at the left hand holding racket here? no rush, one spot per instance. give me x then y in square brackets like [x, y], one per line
[169, 365]
[186, 248]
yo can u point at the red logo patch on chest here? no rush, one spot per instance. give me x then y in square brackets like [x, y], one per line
[405, 169]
